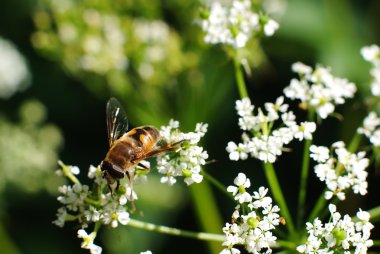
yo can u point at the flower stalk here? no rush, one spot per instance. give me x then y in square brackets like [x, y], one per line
[240, 78]
[304, 175]
[175, 231]
[278, 196]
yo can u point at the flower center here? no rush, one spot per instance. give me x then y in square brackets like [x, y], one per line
[339, 235]
[186, 172]
[241, 189]
[252, 222]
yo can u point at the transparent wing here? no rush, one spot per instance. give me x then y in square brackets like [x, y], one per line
[117, 121]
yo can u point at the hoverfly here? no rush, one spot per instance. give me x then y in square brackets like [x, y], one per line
[128, 148]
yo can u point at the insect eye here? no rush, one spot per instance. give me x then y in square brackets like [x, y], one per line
[104, 166]
[113, 170]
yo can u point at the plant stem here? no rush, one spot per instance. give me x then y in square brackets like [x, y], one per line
[210, 221]
[318, 206]
[217, 184]
[277, 194]
[240, 78]
[93, 202]
[176, 231]
[7, 245]
[355, 142]
[375, 214]
[66, 171]
[287, 244]
[304, 175]
[321, 203]
[376, 242]
[303, 182]
[97, 226]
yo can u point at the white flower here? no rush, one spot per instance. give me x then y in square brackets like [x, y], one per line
[73, 197]
[324, 171]
[274, 108]
[371, 128]
[237, 152]
[201, 128]
[340, 234]
[260, 198]
[270, 27]
[88, 241]
[319, 89]
[146, 252]
[345, 171]
[61, 217]
[244, 107]
[301, 68]
[266, 133]
[92, 214]
[233, 23]
[114, 215]
[14, 73]
[371, 54]
[319, 153]
[189, 158]
[251, 227]
[304, 130]
[239, 191]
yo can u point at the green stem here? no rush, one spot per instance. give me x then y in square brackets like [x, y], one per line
[318, 206]
[303, 183]
[176, 231]
[240, 78]
[66, 171]
[277, 194]
[375, 214]
[355, 142]
[326, 212]
[97, 226]
[217, 184]
[376, 243]
[210, 221]
[304, 175]
[92, 202]
[7, 245]
[287, 244]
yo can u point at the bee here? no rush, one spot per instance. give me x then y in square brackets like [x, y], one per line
[128, 148]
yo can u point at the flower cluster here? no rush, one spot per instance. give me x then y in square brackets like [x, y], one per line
[252, 221]
[234, 23]
[33, 138]
[339, 235]
[341, 172]
[261, 139]
[106, 42]
[157, 44]
[188, 161]
[371, 128]
[318, 89]
[87, 206]
[372, 55]
[99, 39]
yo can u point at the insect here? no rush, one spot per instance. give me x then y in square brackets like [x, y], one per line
[128, 148]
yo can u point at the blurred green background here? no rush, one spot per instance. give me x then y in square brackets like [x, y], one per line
[150, 55]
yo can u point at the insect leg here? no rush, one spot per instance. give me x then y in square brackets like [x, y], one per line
[143, 167]
[166, 148]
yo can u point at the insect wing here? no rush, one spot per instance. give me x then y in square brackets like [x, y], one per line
[117, 121]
